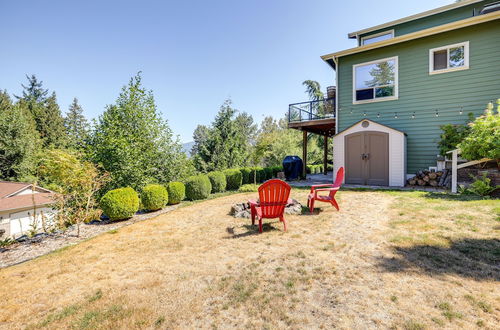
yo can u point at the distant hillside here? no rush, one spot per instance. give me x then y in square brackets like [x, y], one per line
[186, 148]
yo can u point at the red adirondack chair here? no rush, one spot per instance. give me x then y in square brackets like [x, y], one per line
[330, 188]
[273, 198]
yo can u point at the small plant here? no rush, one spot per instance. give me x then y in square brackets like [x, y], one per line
[198, 187]
[154, 197]
[120, 203]
[452, 135]
[6, 242]
[218, 181]
[176, 192]
[249, 188]
[481, 186]
[233, 179]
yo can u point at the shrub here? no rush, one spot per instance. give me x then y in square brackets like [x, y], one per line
[482, 186]
[261, 174]
[329, 167]
[483, 140]
[120, 203]
[176, 192]
[249, 188]
[309, 169]
[276, 170]
[218, 181]
[452, 135]
[269, 173]
[253, 175]
[154, 197]
[245, 175]
[198, 187]
[233, 179]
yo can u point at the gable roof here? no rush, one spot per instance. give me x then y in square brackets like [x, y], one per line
[371, 121]
[10, 200]
[431, 12]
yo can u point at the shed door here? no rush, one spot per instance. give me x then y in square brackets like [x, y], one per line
[367, 158]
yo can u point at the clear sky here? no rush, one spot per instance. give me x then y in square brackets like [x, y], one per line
[193, 54]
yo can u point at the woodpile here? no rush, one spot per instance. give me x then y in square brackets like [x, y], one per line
[431, 178]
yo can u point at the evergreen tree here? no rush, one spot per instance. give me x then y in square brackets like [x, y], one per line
[19, 141]
[76, 125]
[45, 112]
[226, 145]
[134, 144]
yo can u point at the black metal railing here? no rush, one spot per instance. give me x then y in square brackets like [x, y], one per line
[312, 110]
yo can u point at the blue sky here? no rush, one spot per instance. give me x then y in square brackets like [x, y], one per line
[193, 54]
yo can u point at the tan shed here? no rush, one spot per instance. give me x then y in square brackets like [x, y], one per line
[372, 154]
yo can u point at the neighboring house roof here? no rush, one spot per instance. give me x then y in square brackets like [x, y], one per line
[434, 11]
[416, 35]
[11, 200]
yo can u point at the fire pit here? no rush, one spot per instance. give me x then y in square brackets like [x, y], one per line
[242, 210]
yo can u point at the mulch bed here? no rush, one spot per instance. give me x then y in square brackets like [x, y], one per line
[29, 248]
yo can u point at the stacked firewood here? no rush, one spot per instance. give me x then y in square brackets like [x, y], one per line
[431, 178]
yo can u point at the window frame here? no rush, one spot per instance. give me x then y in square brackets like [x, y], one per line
[371, 36]
[465, 44]
[377, 99]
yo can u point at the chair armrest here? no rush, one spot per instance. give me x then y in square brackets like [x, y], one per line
[325, 189]
[253, 202]
[320, 185]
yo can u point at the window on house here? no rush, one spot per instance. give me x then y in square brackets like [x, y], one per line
[449, 58]
[376, 81]
[377, 37]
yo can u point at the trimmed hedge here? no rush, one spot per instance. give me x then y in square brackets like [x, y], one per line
[218, 181]
[233, 178]
[268, 172]
[154, 197]
[198, 187]
[245, 175]
[249, 188]
[276, 170]
[176, 192]
[119, 204]
[261, 174]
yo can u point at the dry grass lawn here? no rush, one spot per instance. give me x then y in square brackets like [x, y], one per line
[403, 260]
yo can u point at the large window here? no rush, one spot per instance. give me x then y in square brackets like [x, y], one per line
[377, 37]
[375, 81]
[449, 58]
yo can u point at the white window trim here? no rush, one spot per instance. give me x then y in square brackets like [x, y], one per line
[362, 40]
[459, 68]
[380, 99]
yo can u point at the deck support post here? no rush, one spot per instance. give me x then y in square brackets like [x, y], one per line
[325, 156]
[454, 168]
[304, 154]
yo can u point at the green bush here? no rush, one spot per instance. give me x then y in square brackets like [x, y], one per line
[218, 181]
[198, 187]
[249, 188]
[483, 140]
[233, 179]
[329, 167]
[245, 175]
[452, 135]
[309, 169]
[482, 186]
[269, 173]
[120, 203]
[154, 197]
[261, 174]
[276, 170]
[253, 175]
[176, 192]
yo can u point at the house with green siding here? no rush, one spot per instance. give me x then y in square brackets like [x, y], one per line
[401, 82]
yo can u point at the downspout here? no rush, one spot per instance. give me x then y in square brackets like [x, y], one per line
[337, 94]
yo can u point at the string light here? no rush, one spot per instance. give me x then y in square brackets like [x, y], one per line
[437, 114]
[378, 114]
[461, 110]
[413, 115]
[396, 115]
[364, 114]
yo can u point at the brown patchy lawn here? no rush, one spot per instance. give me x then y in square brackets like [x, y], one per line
[404, 260]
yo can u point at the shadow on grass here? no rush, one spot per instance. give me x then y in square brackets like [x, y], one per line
[472, 258]
[251, 230]
[452, 197]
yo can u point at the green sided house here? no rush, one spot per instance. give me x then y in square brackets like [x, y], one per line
[402, 81]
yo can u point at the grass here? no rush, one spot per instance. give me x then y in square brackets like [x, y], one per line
[367, 266]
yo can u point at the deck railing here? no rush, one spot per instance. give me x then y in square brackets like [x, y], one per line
[311, 110]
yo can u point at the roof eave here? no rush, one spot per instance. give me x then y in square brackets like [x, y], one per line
[418, 34]
[354, 35]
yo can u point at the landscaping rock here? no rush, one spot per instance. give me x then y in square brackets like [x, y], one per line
[242, 210]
